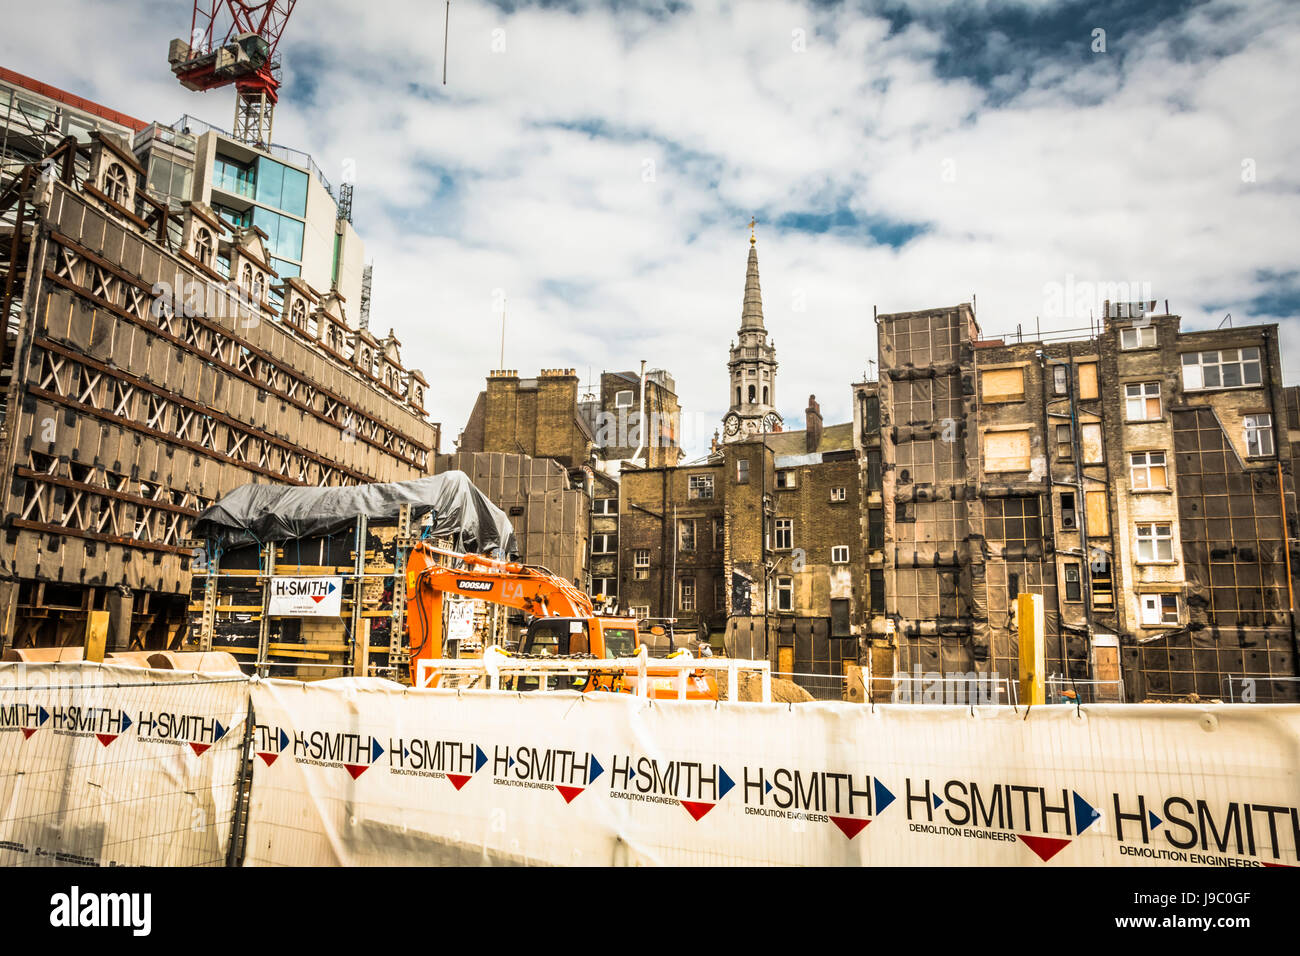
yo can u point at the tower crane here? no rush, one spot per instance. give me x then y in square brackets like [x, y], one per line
[234, 42]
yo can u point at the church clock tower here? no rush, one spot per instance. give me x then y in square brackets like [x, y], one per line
[752, 365]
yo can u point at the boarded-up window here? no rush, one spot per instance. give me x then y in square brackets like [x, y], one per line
[1006, 451]
[1003, 385]
[840, 618]
[1090, 438]
[1088, 380]
[1098, 514]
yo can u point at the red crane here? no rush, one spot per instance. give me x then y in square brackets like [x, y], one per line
[234, 41]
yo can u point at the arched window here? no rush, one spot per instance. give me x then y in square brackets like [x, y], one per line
[203, 246]
[298, 314]
[246, 278]
[737, 394]
[764, 394]
[115, 183]
[752, 392]
[366, 362]
[257, 290]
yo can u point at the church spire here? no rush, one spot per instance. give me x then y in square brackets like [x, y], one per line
[751, 310]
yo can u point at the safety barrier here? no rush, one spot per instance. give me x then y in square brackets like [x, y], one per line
[107, 764]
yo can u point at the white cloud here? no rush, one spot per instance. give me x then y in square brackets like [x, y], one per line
[1108, 167]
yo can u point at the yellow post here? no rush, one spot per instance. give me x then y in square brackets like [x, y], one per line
[96, 635]
[1029, 611]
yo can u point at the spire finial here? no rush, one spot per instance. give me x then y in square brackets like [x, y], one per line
[752, 220]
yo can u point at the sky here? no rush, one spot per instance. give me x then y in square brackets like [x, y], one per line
[594, 167]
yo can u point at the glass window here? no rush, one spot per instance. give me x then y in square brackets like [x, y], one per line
[621, 641]
[687, 601]
[839, 494]
[686, 534]
[786, 478]
[234, 177]
[235, 217]
[718, 534]
[742, 471]
[270, 182]
[840, 554]
[785, 594]
[1064, 444]
[1073, 584]
[701, 487]
[1155, 542]
[1138, 338]
[1142, 401]
[784, 534]
[1060, 379]
[1160, 609]
[1147, 470]
[1259, 435]
[1226, 368]
[623, 399]
[641, 558]
[284, 235]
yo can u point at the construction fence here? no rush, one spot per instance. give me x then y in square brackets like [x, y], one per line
[103, 765]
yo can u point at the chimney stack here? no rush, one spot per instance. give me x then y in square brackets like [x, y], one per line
[813, 425]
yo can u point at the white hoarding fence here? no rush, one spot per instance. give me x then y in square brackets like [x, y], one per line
[306, 597]
[108, 765]
[361, 771]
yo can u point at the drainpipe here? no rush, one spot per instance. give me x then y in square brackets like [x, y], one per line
[640, 431]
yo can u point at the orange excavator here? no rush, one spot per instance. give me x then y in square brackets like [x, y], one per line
[564, 621]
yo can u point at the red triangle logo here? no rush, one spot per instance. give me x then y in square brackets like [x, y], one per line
[318, 598]
[568, 793]
[106, 739]
[459, 780]
[199, 748]
[1286, 866]
[27, 732]
[850, 826]
[356, 769]
[269, 758]
[695, 809]
[1045, 847]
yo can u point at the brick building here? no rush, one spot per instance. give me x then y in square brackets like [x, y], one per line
[1131, 477]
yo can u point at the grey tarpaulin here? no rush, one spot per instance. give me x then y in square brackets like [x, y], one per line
[264, 512]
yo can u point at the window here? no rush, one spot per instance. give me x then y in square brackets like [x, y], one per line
[686, 534]
[1090, 440]
[1227, 368]
[606, 587]
[641, 564]
[686, 594]
[1159, 609]
[785, 594]
[1073, 584]
[284, 235]
[1103, 587]
[718, 532]
[840, 554]
[1098, 513]
[784, 534]
[1060, 379]
[1087, 380]
[1155, 542]
[1064, 443]
[742, 471]
[640, 612]
[840, 618]
[203, 246]
[764, 394]
[604, 506]
[700, 488]
[839, 494]
[1003, 385]
[298, 313]
[280, 186]
[1069, 516]
[233, 176]
[1138, 337]
[752, 394]
[1259, 435]
[1014, 520]
[604, 543]
[1006, 451]
[115, 183]
[624, 398]
[1142, 401]
[786, 478]
[1147, 470]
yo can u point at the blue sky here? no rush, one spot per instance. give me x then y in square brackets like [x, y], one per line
[597, 164]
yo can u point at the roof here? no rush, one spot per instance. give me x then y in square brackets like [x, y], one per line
[834, 438]
[70, 99]
[751, 310]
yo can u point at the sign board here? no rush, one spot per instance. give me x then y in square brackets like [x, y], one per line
[460, 620]
[316, 596]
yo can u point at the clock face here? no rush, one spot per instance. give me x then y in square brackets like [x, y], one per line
[731, 424]
[772, 421]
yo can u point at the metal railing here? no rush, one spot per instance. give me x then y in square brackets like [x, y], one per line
[1085, 691]
[972, 688]
[820, 686]
[495, 665]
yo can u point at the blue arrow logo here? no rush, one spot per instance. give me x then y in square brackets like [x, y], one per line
[725, 783]
[376, 751]
[934, 799]
[1155, 820]
[126, 721]
[883, 797]
[284, 740]
[767, 787]
[1085, 814]
[42, 715]
[221, 731]
[480, 758]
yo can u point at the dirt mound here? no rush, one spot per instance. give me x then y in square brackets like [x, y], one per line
[751, 689]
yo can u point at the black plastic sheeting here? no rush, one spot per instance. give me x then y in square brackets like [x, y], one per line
[258, 513]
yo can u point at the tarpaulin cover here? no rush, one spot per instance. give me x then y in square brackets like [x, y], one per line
[257, 513]
[361, 772]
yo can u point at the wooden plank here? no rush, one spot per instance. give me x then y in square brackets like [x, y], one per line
[96, 635]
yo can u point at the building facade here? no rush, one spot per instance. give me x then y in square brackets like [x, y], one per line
[147, 371]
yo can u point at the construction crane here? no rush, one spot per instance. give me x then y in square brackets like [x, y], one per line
[234, 41]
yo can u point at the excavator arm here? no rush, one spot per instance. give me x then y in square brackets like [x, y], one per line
[533, 590]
